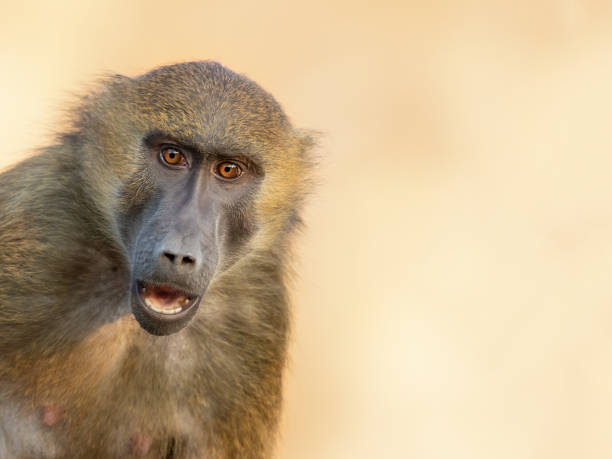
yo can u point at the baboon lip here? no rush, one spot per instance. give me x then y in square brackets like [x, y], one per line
[165, 301]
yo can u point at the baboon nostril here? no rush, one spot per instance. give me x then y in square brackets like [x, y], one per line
[187, 260]
[179, 259]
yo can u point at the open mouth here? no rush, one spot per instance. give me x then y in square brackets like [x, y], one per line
[162, 308]
[164, 299]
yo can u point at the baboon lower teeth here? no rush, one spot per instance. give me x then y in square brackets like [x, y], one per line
[164, 309]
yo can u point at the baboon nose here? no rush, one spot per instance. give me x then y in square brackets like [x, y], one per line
[179, 260]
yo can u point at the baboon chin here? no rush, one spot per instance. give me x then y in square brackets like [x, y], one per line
[143, 305]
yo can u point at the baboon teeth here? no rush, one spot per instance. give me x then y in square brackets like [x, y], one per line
[164, 300]
[163, 310]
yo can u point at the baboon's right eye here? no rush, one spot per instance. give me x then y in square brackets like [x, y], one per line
[172, 157]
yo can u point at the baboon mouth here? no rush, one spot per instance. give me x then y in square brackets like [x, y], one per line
[165, 300]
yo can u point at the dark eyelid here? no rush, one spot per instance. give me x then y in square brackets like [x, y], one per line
[238, 161]
[161, 140]
[182, 150]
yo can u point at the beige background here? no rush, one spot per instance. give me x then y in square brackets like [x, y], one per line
[454, 297]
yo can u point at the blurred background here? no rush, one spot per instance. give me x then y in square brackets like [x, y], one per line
[454, 291]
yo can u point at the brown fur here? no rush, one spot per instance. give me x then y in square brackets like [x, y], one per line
[78, 376]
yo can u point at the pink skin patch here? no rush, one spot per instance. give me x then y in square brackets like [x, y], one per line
[51, 415]
[139, 444]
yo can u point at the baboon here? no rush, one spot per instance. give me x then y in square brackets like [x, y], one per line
[144, 258]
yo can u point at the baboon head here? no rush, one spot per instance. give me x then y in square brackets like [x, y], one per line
[196, 167]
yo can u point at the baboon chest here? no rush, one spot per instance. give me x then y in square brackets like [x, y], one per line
[132, 403]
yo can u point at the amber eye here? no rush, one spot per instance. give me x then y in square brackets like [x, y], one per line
[228, 170]
[172, 157]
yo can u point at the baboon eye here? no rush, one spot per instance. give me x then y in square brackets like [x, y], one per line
[172, 157]
[228, 170]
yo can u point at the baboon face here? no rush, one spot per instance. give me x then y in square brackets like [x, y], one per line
[192, 159]
[182, 235]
